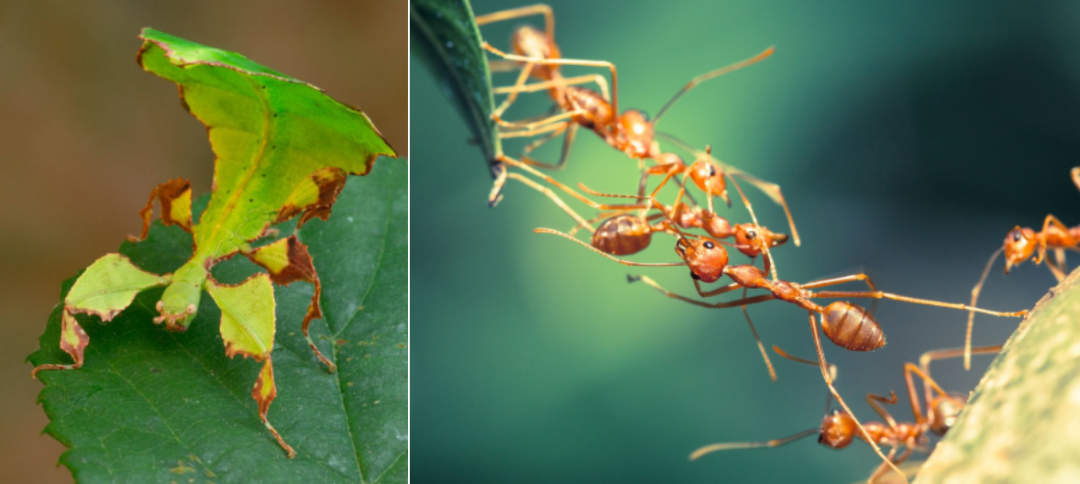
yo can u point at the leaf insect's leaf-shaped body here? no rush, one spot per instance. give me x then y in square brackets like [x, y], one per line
[283, 149]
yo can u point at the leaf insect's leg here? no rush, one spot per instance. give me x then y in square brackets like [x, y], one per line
[264, 392]
[828, 382]
[247, 328]
[288, 261]
[73, 341]
[175, 199]
[105, 289]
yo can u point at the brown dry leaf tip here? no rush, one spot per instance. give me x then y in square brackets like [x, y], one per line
[329, 182]
[174, 196]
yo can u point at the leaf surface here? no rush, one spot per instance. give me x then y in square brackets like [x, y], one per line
[156, 406]
[445, 37]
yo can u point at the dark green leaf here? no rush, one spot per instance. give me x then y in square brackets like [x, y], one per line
[445, 36]
[155, 406]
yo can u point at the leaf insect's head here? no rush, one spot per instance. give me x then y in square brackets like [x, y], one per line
[1020, 245]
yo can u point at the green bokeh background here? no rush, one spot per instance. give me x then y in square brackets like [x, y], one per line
[909, 138]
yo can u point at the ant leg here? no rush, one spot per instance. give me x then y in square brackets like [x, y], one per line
[828, 382]
[1058, 267]
[832, 281]
[719, 305]
[567, 189]
[600, 81]
[1050, 220]
[761, 347]
[913, 300]
[709, 75]
[605, 254]
[554, 198]
[566, 62]
[524, 76]
[928, 383]
[502, 66]
[1075, 173]
[883, 468]
[771, 190]
[875, 402]
[553, 123]
[929, 356]
[513, 13]
[568, 140]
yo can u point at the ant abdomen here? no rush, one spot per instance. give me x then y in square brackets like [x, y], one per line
[622, 235]
[851, 327]
[528, 41]
[598, 112]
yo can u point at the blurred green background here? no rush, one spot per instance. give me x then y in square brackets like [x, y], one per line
[909, 138]
[86, 134]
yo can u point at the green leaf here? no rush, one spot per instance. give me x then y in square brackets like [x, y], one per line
[157, 406]
[1020, 424]
[445, 37]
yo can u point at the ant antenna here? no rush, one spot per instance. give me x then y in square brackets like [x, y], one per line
[974, 298]
[709, 75]
[750, 445]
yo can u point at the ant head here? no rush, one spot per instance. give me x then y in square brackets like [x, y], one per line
[637, 132]
[943, 412]
[1019, 246]
[706, 258]
[837, 429]
[752, 239]
[708, 176]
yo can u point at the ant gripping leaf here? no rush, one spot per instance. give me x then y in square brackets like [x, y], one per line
[283, 149]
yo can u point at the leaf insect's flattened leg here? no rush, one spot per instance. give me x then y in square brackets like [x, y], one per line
[288, 261]
[105, 289]
[264, 392]
[314, 197]
[175, 199]
[247, 328]
[73, 341]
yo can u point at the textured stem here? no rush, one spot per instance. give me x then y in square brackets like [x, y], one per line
[1023, 421]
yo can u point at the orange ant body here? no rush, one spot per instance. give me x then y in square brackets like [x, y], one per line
[838, 428]
[1023, 243]
[845, 324]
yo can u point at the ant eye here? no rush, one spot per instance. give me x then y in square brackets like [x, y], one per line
[709, 245]
[712, 170]
[751, 234]
[1017, 235]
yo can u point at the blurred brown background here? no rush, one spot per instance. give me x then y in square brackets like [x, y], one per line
[85, 135]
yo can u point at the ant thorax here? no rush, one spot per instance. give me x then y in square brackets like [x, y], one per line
[635, 134]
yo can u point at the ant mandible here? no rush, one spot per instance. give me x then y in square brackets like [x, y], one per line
[1023, 243]
[838, 427]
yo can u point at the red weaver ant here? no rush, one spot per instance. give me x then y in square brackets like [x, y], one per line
[1023, 243]
[838, 428]
[845, 324]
